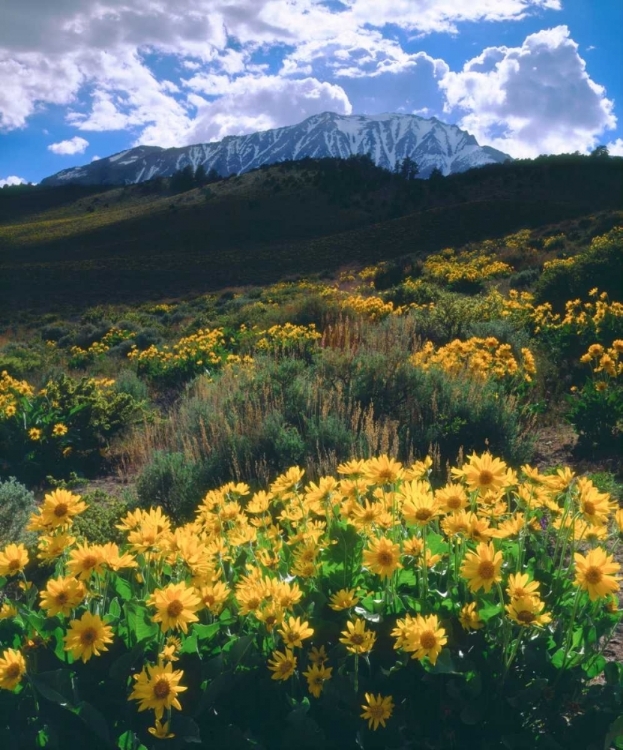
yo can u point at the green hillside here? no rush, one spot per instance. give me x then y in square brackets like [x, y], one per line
[77, 245]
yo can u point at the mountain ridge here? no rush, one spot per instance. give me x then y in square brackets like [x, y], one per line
[386, 138]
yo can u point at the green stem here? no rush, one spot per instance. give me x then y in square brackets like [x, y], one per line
[356, 673]
[512, 655]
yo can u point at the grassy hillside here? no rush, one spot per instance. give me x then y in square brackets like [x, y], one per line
[78, 245]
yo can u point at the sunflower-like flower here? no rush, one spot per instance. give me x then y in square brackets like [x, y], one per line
[451, 498]
[87, 637]
[356, 638]
[12, 669]
[213, 596]
[157, 687]
[424, 637]
[85, 560]
[484, 472]
[519, 585]
[294, 632]
[382, 557]
[113, 558]
[282, 665]
[377, 709]
[593, 573]
[61, 595]
[469, 617]
[420, 506]
[176, 606]
[51, 546]
[383, 470]
[161, 731]
[343, 599]
[527, 611]
[317, 655]
[13, 559]
[482, 568]
[316, 675]
[58, 509]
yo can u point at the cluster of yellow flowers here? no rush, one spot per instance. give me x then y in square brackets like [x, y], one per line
[187, 576]
[97, 348]
[477, 357]
[550, 265]
[578, 315]
[605, 361]
[553, 240]
[286, 336]
[371, 307]
[472, 265]
[200, 348]
[11, 391]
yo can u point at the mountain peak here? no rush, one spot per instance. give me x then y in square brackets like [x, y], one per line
[387, 138]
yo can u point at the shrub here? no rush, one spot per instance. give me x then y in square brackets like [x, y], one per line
[16, 505]
[98, 524]
[601, 265]
[171, 481]
[63, 427]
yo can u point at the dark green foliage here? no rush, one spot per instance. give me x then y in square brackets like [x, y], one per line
[17, 504]
[98, 523]
[173, 482]
[524, 279]
[600, 266]
[597, 416]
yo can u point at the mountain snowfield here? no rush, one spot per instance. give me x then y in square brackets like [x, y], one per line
[387, 138]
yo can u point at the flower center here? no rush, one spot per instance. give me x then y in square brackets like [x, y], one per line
[209, 600]
[486, 569]
[376, 711]
[428, 640]
[175, 608]
[589, 508]
[453, 502]
[62, 598]
[593, 575]
[13, 671]
[485, 478]
[526, 616]
[89, 561]
[423, 514]
[162, 689]
[385, 558]
[61, 510]
[88, 636]
[356, 639]
[286, 666]
[14, 565]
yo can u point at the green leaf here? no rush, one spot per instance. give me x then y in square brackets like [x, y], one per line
[129, 741]
[139, 621]
[186, 729]
[123, 588]
[219, 685]
[205, 632]
[54, 686]
[121, 667]
[94, 720]
[114, 609]
[489, 611]
[594, 667]
[615, 732]
[612, 672]
[190, 645]
[444, 664]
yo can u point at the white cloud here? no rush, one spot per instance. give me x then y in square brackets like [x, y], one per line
[533, 99]
[616, 147]
[50, 50]
[13, 180]
[254, 104]
[75, 145]
[95, 158]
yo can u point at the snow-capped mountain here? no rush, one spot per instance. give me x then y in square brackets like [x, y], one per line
[386, 138]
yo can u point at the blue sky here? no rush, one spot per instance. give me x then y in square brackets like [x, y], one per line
[82, 80]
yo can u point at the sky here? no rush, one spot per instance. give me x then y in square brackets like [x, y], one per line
[83, 79]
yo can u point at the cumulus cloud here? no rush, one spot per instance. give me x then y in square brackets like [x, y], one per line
[616, 147]
[75, 145]
[254, 104]
[12, 180]
[533, 99]
[49, 51]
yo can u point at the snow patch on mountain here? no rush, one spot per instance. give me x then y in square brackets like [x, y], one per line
[386, 138]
